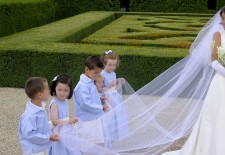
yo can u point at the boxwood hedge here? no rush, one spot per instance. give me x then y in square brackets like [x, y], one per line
[220, 3]
[55, 48]
[21, 15]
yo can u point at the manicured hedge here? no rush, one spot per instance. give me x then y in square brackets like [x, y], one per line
[20, 64]
[169, 5]
[67, 8]
[64, 30]
[43, 51]
[220, 3]
[21, 15]
[156, 30]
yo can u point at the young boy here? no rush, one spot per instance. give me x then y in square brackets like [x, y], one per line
[87, 102]
[34, 131]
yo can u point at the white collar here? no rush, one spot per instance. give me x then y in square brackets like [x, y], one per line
[85, 79]
[35, 106]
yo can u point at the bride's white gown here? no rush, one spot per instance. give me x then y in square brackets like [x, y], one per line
[208, 134]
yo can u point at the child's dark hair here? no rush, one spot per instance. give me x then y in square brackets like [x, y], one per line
[92, 62]
[110, 55]
[34, 85]
[62, 78]
[222, 10]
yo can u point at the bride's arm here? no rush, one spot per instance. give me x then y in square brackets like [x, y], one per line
[216, 65]
[216, 44]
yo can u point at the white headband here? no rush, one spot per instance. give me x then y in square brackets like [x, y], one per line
[55, 78]
[109, 51]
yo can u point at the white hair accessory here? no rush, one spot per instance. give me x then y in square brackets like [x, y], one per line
[55, 78]
[109, 51]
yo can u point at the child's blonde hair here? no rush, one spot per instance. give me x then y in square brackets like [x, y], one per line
[110, 55]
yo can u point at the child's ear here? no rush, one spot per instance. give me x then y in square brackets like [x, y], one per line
[86, 69]
[40, 95]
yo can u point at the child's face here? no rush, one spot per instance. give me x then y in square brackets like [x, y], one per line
[94, 73]
[111, 65]
[44, 95]
[62, 91]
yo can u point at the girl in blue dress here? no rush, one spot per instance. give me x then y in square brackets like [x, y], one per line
[62, 90]
[108, 86]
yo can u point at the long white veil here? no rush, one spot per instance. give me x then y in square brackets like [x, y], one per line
[150, 120]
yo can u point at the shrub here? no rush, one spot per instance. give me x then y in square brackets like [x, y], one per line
[21, 15]
[169, 5]
[67, 8]
[47, 51]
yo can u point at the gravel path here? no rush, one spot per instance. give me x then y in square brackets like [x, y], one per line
[13, 101]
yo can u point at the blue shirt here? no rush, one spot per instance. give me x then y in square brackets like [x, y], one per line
[87, 102]
[34, 131]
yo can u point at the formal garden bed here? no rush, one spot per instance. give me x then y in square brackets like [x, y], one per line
[156, 41]
[20, 15]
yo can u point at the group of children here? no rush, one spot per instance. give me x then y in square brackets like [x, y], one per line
[36, 136]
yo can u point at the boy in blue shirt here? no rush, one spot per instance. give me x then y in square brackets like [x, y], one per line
[34, 131]
[87, 101]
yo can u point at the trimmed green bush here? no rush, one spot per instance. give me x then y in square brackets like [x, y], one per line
[55, 48]
[21, 15]
[19, 64]
[20, 1]
[169, 5]
[64, 30]
[220, 3]
[67, 8]
[152, 31]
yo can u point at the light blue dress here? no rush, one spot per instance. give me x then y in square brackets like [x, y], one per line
[118, 127]
[87, 102]
[63, 112]
[34, 130]
[63, 108]
[108, 77]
